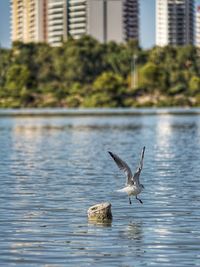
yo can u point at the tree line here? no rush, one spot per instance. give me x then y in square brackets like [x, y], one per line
[86, 73]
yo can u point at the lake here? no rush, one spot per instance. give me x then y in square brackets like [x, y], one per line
[53, 168]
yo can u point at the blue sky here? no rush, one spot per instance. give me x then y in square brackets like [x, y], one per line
[147, 23]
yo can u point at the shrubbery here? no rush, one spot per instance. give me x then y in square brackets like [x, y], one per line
[85, 73]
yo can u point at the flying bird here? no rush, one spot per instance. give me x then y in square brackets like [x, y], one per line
[133, 185]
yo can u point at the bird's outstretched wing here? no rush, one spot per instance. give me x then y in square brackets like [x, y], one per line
[139, 169]
[124, 167]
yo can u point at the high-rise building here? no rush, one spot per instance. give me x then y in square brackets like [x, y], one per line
[28, 20]
[106, 20]
[56, 20]
[197, 32]
[174, 22]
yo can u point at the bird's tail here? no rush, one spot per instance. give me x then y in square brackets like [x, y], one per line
[123, 190]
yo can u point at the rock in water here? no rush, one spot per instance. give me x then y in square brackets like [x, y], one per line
[100, 212]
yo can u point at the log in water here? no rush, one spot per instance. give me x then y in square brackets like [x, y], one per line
[100, 212]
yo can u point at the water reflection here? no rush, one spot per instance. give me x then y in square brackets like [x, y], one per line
[99, 224]
[164, 130]
[134, 231]
[53, 169]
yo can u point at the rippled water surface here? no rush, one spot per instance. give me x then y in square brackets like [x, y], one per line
[54, 168]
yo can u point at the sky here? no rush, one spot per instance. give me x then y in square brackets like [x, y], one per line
[147, 23]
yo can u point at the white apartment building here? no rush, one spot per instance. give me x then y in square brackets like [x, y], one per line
[76, 18]
[55, 20]
[174, 22]
[28, 20]
[197, 32]
[105, 20]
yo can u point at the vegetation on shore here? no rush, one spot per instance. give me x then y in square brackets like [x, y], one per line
[86, 73]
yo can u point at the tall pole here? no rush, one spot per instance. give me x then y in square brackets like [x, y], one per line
[132, 74]
[133, 71]
[105, 20]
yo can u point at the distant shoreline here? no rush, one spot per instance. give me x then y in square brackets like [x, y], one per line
[53, 112]
[83, 73]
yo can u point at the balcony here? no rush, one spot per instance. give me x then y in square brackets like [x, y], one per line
[55, 40]
[55, 10]
[77, 14]
[56, 16]
[76, 8]
[77, 31]
[55, 33]
[55, 28]
[76, 2]
[77, 26]
[54, 4]
[77, 20]
[55, 23]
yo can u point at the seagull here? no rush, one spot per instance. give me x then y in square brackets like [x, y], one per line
[133, 185]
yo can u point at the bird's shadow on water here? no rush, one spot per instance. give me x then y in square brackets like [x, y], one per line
[129, 232]
[133, 230]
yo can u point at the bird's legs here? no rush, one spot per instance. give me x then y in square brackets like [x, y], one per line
[130, 201]
[139, 200]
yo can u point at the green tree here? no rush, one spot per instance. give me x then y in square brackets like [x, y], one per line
[108, 91]
[81, 60]
[5, 62]
[150, 76]
[17, 79]
[194, 85]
